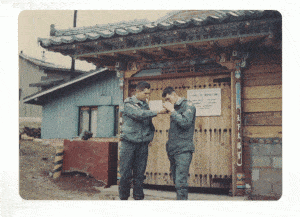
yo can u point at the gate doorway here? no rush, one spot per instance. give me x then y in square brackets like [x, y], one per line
[211, 166]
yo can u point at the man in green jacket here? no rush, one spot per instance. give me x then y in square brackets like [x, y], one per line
[137, 133]
[180, 146]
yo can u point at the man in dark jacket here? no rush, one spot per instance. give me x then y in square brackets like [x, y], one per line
[137, 133]
[180, 146]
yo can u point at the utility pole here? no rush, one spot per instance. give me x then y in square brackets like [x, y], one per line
[74, 25]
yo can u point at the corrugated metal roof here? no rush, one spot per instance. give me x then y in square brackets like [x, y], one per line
[47, 65]
[48, 82]
[175, 20]
[31, 98]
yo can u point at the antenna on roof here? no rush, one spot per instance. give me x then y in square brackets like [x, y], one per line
[43, 56]
[74, 25]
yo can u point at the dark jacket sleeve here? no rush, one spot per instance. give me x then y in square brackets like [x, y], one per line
[137, 113]
[185, 120]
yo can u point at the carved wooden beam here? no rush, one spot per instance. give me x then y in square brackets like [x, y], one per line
[170, 53]
[130, 42]
[195, 51]
[88, 47]
[147, 55]
[107, 45]
[70, 51]
[156, 39]
[124, 57]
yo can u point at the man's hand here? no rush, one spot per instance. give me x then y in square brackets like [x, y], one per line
[169, 106]
[163, 111]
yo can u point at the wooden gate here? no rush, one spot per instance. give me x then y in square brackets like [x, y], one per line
[212, 161]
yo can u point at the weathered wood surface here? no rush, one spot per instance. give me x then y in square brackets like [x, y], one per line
[262, 79]
[262, 119]
[261, 92]
[263, 131]
[262, 105]
[255, 68]
[263, 70]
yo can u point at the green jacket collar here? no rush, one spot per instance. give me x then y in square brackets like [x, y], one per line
[180, 101]
[135, 100]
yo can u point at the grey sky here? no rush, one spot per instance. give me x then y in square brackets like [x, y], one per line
[36, 23]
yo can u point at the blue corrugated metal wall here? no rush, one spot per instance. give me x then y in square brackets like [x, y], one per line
[60, 116]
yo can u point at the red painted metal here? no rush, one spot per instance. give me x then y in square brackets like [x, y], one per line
[98, 159]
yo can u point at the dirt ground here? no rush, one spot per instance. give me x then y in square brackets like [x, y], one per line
[36, 182]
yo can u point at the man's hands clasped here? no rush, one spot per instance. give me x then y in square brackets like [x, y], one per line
[169, 106]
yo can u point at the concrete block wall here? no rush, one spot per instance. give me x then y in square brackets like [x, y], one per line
[264, 167]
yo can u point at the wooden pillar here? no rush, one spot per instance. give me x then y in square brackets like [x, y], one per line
[119, 68]
[238, 174]
[233, 133]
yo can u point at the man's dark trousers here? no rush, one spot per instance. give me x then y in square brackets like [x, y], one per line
[133, 162]
[180, 164]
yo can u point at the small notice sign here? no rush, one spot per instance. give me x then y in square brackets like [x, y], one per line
[206, 101]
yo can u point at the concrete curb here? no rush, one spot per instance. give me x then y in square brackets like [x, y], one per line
[167, 195]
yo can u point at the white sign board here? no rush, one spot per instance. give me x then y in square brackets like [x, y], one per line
[206, 101]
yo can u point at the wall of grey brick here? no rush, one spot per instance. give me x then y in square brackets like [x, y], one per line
[266, 166]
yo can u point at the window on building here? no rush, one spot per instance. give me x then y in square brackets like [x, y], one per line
[102, 121]
[88, 119]
[116, 122]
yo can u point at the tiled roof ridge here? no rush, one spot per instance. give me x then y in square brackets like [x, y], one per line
[202, 18]
[100, 27]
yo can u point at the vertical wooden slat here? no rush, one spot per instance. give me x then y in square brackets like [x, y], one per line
[215, 156]
[233, 132]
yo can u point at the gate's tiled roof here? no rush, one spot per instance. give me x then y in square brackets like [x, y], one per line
[174, 20]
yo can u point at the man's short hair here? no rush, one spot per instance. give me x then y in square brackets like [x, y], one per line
[142, 85]
[167, 90]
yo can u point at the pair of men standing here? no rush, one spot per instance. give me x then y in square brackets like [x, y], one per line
[138, 132]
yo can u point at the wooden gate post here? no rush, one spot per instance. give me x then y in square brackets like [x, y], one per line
[233, 131]
[120, 70]
[238, 174]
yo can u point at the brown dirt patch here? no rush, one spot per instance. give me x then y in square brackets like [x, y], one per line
[36, 182]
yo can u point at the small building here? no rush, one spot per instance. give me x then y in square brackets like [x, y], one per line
[228, 62]
[88, 102]
[36, 75]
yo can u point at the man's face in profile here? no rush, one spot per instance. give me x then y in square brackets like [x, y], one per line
[143, 95]
[171, 98]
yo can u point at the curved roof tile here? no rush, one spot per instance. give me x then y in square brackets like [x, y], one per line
[92, 35]
[164, 25]
[196, 21]
[67, 39]
[121, 32]
[150, 27]
[55, 40]
[106, 33]
[181, 23]
[44, 42]
[80, 37]
[135, 29]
